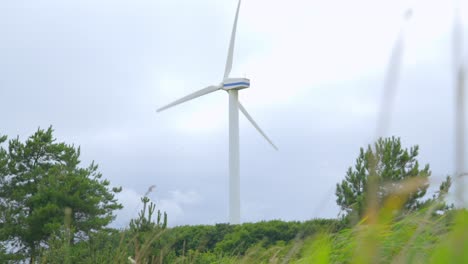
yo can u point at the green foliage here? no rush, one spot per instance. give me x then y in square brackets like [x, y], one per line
[419, 237]
[144, 232]
[145, 222]
[4, 256]
[316, 250]
[103, 246]
[410, 240]
[201, 238]
[223, 242]
[439, 197]
[40, 178]
[454, 245]
[391, 165]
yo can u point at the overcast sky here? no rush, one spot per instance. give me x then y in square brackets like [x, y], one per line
[98, 70]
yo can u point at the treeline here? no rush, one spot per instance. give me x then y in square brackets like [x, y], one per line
[420, 237]
[237, 239]
[201, 243]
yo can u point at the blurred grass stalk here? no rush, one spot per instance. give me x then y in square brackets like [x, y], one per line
[367, 252]
[68, 235]
[391, 78]
[459, 75]
[386, 107]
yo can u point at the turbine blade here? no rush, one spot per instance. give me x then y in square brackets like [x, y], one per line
[191, 96]
[228, 68]
[256, 126]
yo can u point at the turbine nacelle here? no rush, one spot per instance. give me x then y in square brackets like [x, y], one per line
[235, 83]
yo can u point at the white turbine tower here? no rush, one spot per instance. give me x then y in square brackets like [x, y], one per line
[231, 86]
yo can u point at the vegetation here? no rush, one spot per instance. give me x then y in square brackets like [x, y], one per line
[419, 237]
[40, 180]
[392, 170]
[54, 211]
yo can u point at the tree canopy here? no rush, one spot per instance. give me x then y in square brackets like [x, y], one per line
[39, 180]
[391, 164]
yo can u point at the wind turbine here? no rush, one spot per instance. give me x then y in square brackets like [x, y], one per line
[232, 87]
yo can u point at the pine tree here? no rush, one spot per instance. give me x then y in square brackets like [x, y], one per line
[391, 165]
[145, 221]
[40, 179]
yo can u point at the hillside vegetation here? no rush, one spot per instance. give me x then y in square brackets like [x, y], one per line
[422, 237]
